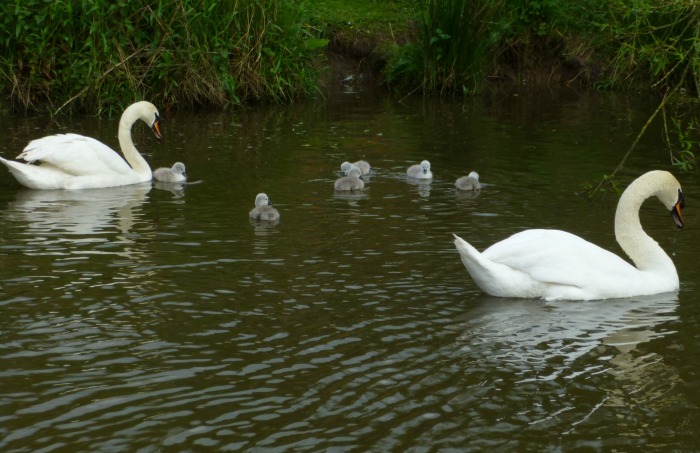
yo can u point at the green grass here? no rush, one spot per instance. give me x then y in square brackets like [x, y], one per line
[365, 28]
[370, 17]
[100, 55]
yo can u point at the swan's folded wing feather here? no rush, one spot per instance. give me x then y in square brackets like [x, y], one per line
[75, 155]
[560, 258]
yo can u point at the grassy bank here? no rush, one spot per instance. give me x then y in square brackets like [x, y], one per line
[454, 47]
[99, 55]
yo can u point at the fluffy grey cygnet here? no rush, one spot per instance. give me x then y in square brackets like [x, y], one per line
[176, 173]
[350, 182]
[363, 165]
[469, 182]
[420, 171]
[263, 209]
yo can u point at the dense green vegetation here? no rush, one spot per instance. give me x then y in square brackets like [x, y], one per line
[650, 45]
[100, 55]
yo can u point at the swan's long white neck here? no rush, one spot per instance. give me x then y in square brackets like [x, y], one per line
[644, 251]
[131, 154]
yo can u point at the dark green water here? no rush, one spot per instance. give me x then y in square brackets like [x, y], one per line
[161, 319]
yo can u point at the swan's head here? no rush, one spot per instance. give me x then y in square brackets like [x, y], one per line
[156, 126]
[473, 175]
[677, 208]
[345, 167]
[262, 200]
[425, 165]
[146, 112]
[179, 169]
[669, 193]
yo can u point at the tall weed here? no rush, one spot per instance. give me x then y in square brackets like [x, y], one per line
[452, 52]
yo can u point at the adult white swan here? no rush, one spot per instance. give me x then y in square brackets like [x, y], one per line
[553, 264]
[71, 161]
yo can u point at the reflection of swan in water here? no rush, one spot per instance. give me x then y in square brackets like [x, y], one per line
[77, 216]
[531, 334]
[516, 345]
[81, 234]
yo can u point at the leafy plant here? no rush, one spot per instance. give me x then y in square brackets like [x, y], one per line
[100, 55]
[682, 149]
[656, 43]
[452, 51]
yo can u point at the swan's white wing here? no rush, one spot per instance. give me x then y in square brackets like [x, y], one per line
[556, 257]
[75, 155]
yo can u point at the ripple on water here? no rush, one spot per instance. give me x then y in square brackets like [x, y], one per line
[145, 320]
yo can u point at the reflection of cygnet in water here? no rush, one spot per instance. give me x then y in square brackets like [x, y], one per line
[263, 209]
[174, 174]
[469, 182]
[421, 171]
[353, 181]
[361, 164]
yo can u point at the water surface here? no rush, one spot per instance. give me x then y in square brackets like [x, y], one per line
[160, 318]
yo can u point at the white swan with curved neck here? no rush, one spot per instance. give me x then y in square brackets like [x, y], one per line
[71, 161]
[552, 264]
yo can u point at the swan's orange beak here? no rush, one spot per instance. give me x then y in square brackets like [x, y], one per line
[156, 128]
[676, 211]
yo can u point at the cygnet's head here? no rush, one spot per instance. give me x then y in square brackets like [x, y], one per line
[345, 167]
[179, 169]
[425, 165]
[354, 172]
[261, 199]
[474, 175]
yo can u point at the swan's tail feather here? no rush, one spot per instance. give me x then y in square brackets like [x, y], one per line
[483, 271]
[472, 260]
[465, 249]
